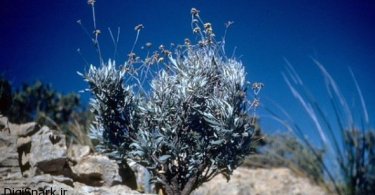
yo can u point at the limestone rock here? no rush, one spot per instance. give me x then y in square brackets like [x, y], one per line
[23, 149]
[48, 151]
[117, 189]
[47, 178]
[260, 182]
[142, 177]
[77, 152]
[97, 170]
[26, 129]
[55, 186]
[8, 150]
[9, 158]
[18, 130]
[28, 154]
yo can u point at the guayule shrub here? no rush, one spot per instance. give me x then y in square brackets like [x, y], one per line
[191, 124]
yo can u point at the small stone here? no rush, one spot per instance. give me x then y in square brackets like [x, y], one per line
[77, 152]
[97, 170]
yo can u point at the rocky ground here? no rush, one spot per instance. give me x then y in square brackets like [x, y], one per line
[37, 158]
[246, 181]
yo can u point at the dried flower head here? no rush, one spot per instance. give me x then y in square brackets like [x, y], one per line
[229, 23]
[208, 29]
[91, 2]
[187, 41]
[255, 104]
[148, 45]
[139, 27]
[194, 12]
[257, 86]
[207, 25]
[167, 52]
[132, 56]
[196, 30]
[97, 32]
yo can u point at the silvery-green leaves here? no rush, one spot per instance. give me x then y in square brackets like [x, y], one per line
[196, 114]
[192, 123]
[112, 104]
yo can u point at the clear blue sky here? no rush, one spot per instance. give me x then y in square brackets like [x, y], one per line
[39, 39]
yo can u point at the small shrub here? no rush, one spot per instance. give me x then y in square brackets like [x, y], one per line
[193, 123]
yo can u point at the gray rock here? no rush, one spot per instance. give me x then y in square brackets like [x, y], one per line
[47, 178]
[48, 151]
[26, 129]
[58, 184]
[4, 124]
[29, 154]
[8, 150]
[57, 187]
[23, 148]
[246, 181]
[10, 173]
[117, 189]
[9, 158]
[77, 152]
[97, 170]
[143, 178]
